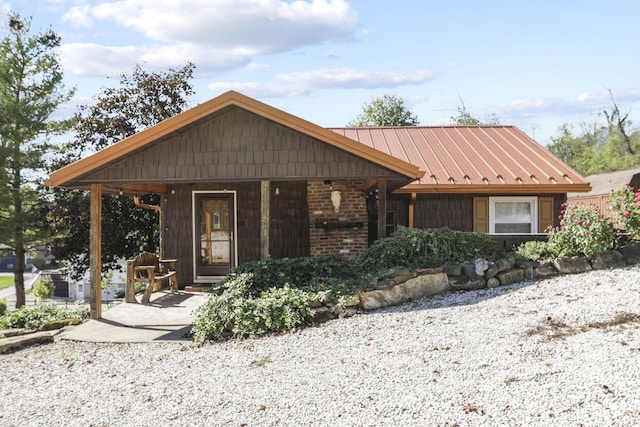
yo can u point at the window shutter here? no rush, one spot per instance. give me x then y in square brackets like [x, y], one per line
[481, 214]
[545, 213]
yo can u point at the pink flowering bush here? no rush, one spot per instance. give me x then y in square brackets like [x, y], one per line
[626, 205]
[583, 231]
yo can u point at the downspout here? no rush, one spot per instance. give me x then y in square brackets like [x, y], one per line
[138, 203]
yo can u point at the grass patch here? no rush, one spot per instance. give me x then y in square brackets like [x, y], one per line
[6, 281]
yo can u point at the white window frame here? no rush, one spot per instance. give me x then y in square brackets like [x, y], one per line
[533, 200]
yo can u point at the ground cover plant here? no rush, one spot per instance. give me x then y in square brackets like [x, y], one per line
[36, 316]
[239, 312]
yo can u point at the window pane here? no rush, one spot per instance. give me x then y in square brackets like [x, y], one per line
[512, 212]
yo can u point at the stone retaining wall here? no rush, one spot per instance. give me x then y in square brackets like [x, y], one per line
[400, 285]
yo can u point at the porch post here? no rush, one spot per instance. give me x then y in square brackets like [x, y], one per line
[412, 207]
[265, 205]
[382, 208]
[95, 252]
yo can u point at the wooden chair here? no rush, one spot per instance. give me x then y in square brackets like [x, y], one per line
[148, 268]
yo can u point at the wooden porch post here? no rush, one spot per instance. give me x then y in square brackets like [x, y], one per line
[382, 208]
[412, 207]
[265, 205]
[95, 252]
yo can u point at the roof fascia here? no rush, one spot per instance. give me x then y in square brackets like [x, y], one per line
[494, 189]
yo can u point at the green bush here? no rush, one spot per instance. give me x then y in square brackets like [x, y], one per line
[536, 251]
[3, 307]
[44, 287]
[626, 205]
[36, 316]
[426, 247]
[306, 273]
[583, 231]
[237, 313]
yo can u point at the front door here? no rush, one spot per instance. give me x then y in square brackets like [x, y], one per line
[214, 226]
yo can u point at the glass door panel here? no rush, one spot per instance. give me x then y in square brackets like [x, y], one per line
[215, 241]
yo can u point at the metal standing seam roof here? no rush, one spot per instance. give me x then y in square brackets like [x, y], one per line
[472, 159]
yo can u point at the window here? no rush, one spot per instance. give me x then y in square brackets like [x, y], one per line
[513, 215]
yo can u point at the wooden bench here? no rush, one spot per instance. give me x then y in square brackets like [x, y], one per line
[148, 268]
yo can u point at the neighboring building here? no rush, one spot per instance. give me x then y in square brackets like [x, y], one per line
[601, 187]
[241, 180]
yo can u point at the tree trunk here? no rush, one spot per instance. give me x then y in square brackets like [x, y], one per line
[18, 272]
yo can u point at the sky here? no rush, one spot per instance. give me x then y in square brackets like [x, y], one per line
[534, 64]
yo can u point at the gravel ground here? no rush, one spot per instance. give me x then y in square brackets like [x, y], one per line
[562, 351]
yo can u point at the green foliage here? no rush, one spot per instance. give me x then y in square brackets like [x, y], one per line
[583, 231]
[31, 90]
[44, 287]
[386, 110]
[598, 148]
[237, 313]
[464, 118]
[34, 317]
[536, 251]
[426, 247]
[307, 273]
[3, 307]
[626, 205]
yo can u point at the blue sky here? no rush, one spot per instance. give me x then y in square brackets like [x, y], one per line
[535, 64]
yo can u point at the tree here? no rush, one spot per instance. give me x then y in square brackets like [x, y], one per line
[142, 99]
[464, 118]
[31, 89]
[386, 110]
[597, 149]
[619, 124]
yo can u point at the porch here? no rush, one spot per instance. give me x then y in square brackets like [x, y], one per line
[167, 317]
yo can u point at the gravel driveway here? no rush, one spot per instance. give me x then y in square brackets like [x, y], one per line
[562, 351]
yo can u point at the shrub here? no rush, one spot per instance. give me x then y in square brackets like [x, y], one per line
[583, 231]
[426, 247]
[306, 273]
[536, 251]
[237, 313]
[34, 317]
[3, 307]
[626, 205]
[44, 287]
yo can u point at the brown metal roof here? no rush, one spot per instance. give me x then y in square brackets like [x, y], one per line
[472, 159]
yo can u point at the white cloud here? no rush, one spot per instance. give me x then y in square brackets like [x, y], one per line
[216, 35]
[586, 102]
[89, 59]
[258, 90]
[355, 79]
[258, 26]
[79, 16]
[299, 84]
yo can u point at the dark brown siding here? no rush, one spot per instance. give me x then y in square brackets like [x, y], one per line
[399, 205]
[444, 210]
[289, 220]
[237, 145]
